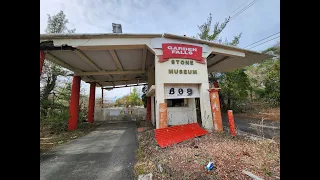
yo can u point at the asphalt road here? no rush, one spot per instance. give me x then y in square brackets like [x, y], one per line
[269, 129]
[106, 153]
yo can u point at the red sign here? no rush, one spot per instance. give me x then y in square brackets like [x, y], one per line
[183, 51]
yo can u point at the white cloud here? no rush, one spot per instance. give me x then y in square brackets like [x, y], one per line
[159, 16]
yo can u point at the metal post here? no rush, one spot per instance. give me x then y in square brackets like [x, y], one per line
[231, 123]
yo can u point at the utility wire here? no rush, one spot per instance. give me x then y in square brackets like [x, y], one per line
[239, 6]
[243, 9]
[264, 42]
[261, 39]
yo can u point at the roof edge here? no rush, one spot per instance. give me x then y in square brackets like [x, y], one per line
[122, 35]
[209, 43]
[96, 36]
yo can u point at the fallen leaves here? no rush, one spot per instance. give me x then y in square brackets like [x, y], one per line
[187, 160]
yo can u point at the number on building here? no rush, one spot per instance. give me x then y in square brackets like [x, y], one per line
[171, 91]
[189, 92]
[180, 91]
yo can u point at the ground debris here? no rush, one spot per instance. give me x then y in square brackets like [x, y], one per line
[160, 168]
[184, 161]
[251, 175]
[145, 177]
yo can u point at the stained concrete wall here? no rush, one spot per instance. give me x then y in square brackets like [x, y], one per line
[183, 115]
[200, 78]
[119, 114]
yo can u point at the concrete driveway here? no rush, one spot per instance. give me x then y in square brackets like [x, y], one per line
[106, 153]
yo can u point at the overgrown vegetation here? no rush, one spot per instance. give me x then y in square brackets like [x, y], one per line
[55, 86]
[242, 88]
[144, 95]
[133, 99]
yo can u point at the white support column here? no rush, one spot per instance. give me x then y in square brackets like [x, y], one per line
[205, 107]
[159, 90]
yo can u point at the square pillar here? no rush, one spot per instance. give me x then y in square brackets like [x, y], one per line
[216, 110]
[92, 98]
[74, 103]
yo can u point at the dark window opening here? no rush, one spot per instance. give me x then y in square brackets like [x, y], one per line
[177, 102]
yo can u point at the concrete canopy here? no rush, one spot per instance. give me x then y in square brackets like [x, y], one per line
[113, 60]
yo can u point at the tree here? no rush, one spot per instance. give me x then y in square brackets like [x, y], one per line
[205, 29]
[272, 84]
[235, 84]
[132, 99]
[56, 24]
[144, 95]
[265, 77]
[208, 35]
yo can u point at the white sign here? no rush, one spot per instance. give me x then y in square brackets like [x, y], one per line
[177, 91]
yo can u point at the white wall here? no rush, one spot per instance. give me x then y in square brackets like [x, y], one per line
[183, 115]
[162, 76]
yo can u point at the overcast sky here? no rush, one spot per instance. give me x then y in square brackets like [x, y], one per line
[167, 16]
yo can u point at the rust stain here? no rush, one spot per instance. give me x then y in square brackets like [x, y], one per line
[163, 113]
[215, 108]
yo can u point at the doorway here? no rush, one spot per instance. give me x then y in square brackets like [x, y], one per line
[198, 110]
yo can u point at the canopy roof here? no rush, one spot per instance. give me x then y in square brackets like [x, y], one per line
[123, 59]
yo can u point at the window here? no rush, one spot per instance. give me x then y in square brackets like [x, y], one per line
[177, 102]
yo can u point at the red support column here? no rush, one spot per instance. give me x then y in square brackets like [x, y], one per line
[42, 56]
[231, 123]
[215, 108]
[74, 103]
[92, 98]
[148, 109]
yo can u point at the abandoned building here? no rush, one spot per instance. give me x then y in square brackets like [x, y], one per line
[175, 68]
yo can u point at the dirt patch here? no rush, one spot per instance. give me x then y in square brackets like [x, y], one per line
[267, 114]
[187, 160]
[145, 124]
[49, 139]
